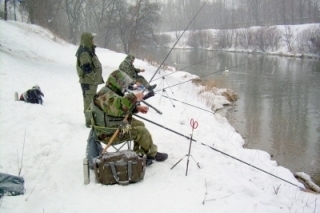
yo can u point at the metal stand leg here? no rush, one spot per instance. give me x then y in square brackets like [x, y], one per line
[187, 160]
[178, 162]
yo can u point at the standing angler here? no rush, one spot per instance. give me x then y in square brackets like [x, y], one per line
[89, 70]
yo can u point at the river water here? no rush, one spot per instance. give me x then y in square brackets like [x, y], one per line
[278, 110]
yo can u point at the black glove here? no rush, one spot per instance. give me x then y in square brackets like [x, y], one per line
[86, 68]
[148, 95]
[85, 86]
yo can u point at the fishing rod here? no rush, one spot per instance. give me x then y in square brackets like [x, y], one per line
[214, 149]
[125, 121]
[148, 95]
[189, 104]
[187, 67]
[163, 127]
[146, 103]
[248, 164]
[175, 43]
[206, 75]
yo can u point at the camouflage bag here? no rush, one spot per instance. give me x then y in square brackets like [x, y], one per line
[121, 167]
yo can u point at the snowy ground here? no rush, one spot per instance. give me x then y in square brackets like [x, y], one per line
[48, 143]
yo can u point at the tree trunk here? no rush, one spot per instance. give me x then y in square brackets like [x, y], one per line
[284, 12]
[301, 11]
[292, 11]
[5, 10]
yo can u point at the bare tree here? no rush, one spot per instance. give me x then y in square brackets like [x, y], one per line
[288, 37]
[106, 18]
[40, 12]
[5, 10]
[74, 10]
[200, 39]
[267, 38]
[301, 8]
[136, 25]
[283, 11]
[308, 41]
[316, 12]
[292, 11]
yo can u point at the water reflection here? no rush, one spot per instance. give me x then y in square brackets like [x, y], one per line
[278, 109]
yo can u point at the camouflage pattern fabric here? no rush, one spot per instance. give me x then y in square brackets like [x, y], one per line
[89, 71]
[127, 67]
[86, 56]
[88, 92]
[115, 106]
[142, 140]
[118, 81]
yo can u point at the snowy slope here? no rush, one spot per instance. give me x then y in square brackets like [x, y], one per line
[48, 143]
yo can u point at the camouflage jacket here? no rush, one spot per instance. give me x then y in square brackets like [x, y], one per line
[109, 110]
[114, 104]
[89, 68]
[127, 67]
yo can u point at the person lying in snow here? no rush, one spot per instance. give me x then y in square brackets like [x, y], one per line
[33, 95]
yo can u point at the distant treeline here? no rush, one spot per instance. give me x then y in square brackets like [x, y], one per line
[232, 14]
[126, 25]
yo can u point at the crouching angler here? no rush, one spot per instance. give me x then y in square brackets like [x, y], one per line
[109, 108]
[33, 95]
[128, 67]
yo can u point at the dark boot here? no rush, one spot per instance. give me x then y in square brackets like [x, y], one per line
[159, 157]
[148, 95]
[149, 162]
[151, 87]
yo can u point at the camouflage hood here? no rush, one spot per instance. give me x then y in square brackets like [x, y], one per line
[86, 40]
[129, 59]
[119, 81]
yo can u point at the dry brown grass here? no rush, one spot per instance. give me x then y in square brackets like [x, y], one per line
[208, 85]
[231, 96]
[197, 81]
[209, 88]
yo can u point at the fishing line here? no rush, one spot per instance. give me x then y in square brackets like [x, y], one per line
[250, 165]
[187, 67]
[189, 104]
[205, 75]
[176, 43]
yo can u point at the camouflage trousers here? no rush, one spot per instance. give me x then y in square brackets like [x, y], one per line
[88, 92]
[143, 143]
[142, 140]
[142, 80]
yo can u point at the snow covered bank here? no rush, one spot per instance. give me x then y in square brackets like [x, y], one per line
[48, 143]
